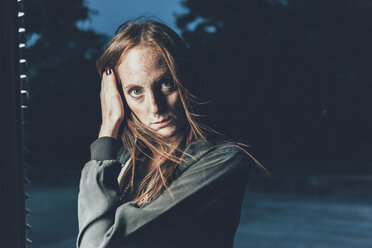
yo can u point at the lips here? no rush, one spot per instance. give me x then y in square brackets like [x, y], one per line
[162, 123]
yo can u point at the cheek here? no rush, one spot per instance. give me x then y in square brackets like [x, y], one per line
[174, 101]
[176, 107]
[137, 108]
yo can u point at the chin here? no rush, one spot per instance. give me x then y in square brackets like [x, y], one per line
[166, 132]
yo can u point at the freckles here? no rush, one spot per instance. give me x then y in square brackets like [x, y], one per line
[173, 99]
[129, 103]
[138, 108]
[133, 107]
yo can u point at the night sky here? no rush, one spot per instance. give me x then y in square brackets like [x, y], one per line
[114, 12]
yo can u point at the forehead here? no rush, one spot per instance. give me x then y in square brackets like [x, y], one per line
[141, 64]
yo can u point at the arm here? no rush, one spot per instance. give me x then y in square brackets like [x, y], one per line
[97, 205]
[104, 222]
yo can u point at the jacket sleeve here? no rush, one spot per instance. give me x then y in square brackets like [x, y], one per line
[105, 222]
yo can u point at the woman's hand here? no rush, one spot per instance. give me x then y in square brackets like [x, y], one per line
[111, 106]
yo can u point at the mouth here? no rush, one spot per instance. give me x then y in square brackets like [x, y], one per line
[162, 123]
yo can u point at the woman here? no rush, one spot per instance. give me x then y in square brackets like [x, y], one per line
[170, 184]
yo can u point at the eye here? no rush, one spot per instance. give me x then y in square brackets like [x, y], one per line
[135, 92]
[167, 84]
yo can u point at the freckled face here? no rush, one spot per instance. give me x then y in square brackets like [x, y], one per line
[150, 92]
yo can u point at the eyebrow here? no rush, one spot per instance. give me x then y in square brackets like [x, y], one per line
[131, 85]
[164, 76]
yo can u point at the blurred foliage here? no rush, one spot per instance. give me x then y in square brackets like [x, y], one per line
[64, 85]
[290, 77]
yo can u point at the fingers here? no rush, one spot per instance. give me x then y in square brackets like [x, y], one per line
[111, 101]
[108, 71]
[108, 82]
[108, 76]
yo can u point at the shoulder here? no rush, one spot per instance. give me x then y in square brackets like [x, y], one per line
[213, 162]
[218, 147]
[218, 154]
[232, 154]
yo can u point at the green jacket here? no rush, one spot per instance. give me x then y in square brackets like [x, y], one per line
[201, 208]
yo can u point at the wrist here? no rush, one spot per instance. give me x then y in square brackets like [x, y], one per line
[104, 148]
[109, 131]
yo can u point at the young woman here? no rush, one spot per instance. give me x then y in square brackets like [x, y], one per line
[167, 183]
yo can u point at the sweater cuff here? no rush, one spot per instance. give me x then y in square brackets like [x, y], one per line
[104, 148]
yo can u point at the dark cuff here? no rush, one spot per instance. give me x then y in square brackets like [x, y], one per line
[104, 148]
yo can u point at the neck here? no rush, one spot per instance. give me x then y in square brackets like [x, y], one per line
[174, 142]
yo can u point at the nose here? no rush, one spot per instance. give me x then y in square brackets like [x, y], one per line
[154, 103]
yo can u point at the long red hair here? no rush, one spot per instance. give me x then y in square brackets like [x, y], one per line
[138, 139]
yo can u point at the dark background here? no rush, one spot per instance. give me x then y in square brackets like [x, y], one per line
[291, 78]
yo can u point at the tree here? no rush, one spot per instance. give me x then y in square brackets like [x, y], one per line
[64, 85]
[290, 76]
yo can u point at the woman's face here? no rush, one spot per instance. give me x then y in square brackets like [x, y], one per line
[150, 92]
